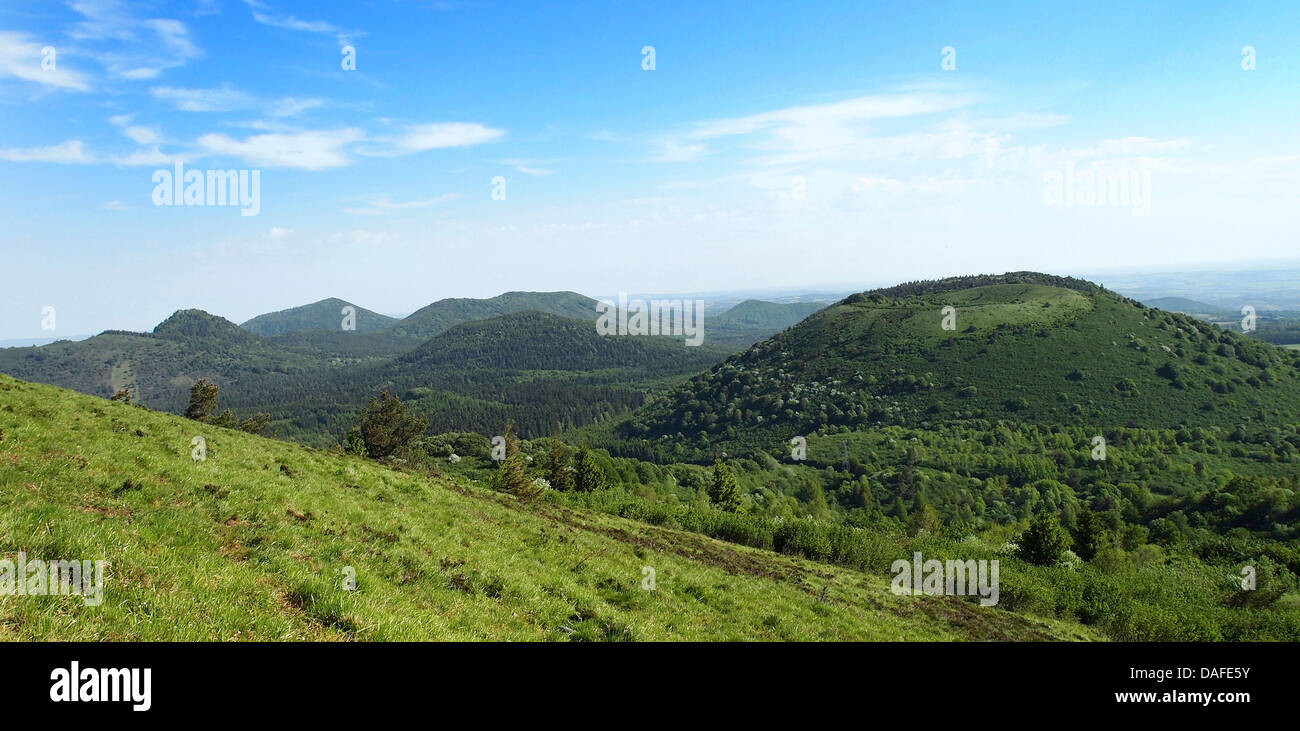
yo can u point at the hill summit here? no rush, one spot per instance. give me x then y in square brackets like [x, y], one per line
[327, 314]
[1017, 346]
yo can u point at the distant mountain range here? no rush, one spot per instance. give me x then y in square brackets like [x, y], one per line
[1021, 346]
[466, 363]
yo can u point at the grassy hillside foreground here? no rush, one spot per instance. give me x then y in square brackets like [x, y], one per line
[252, 542]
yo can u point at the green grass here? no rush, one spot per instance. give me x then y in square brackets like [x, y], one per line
[251, 544]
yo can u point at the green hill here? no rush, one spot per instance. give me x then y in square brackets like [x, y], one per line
[323, 315]
[446, 313]
[1025, 347]
[254, 542]
[159, 367]
[774, 315]
[753, 320]
[541, 371]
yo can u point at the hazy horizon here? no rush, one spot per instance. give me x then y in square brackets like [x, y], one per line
[1128, 286]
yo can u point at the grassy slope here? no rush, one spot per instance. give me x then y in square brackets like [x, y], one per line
[250, 544]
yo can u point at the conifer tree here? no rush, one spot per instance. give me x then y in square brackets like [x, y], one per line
[724, 493]
[923, 517]
[587, 475]
[512, 475]
[557, 467]
[386, 427]
[203, 400]
[1088, 534]
[1044, 541]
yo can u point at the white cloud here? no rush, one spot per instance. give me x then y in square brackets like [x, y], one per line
[20, 57]
[674, 151]
[151, 156]
[828, 132]
[138, 134]
[266, 16]
[72, 152]
[141, 135]
[423, 137]
[381, 206]
[292, 107]
[223, 99]
[312, 150]
[794, 122]
[138, 48]
[528, 167]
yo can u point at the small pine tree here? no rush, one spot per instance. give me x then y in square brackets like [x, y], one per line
[512, 475]
[1045, 540]
[923, 517]
[557, 467]
[587, 475]
[900, 510]
[203, 400]
[123, 395]
[1089, 534]
[724, 493]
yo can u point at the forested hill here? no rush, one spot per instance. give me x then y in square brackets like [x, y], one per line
[540, 341]
[542, 372]
[1023, 347]
[775, 315]
[160, 366]
[446, 313]
[326, 314]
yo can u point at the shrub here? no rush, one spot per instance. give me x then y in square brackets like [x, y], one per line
[385, 426]
[1045, 541]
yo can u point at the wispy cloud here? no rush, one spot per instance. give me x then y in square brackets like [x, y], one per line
[310, 150]
[419, 138]
[148, 157]
[72, 152]
[528, 167]
[802, 134]
[292, 107]
[21, 56]
[138, 134]
[382, 206]
[137, 47]
[262, 13]
[223, 99]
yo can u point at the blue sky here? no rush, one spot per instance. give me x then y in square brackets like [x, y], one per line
[772, 145]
